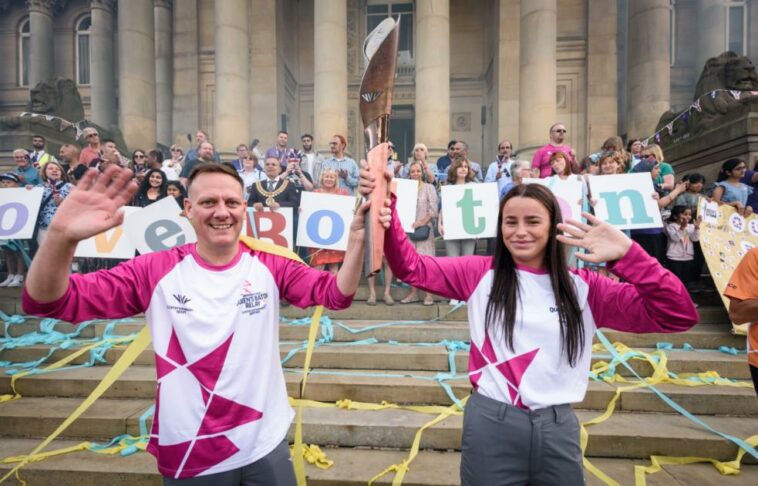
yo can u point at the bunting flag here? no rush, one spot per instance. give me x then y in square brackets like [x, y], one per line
[670, 128]
[735, 94]
[696, 105]
[658, 137]
[713, 94]
[685, 116]
[645, 142]
[64, 124]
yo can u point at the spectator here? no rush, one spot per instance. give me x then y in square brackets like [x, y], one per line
[155, 159]
[56, 189]
[90, 155]
[323, 259]
[251, 172]
[460, 149]
[444, 162]
[612, 163]
[743, 305]
[695, 183]
[666, 179]
[346, 168]
[204, 154]
[139, 163]
[173, 167]
[429, 169]
[274, 191]
[729, 190]
[498, 168]
[280, 150]
[310, 160]
[27, 174]
[458, 173]
[520, 170]
[634, 148]
[14, 252]
[680, 251]
[201, 136]
[176, 190]
[68, 155]
[38, 156]
[426, 210]
[750, 179]
[542, 156]
[301, 179]
[242, 152]
[257, 151]
[152, 188]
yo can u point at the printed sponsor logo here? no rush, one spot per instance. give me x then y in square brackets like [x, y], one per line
[183, 307]
[250, 301]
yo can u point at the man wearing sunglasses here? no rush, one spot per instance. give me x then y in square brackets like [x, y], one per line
[542, 156]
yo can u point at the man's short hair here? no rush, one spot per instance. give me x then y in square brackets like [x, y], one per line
[212, 168]
[465, 145]
[306, 135]
[451, 143]
[241, 146]
[38, 136]
[23, 152]
[282, 131]
[108, 140]
[156, 153]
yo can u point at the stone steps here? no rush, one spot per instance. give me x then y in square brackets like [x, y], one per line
[352, 467]
[626, 435]
[399, 387]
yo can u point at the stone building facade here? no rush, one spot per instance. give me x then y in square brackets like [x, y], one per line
[475, 70]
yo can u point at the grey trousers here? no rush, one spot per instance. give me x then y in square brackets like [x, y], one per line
[505, 445]
[274, 469]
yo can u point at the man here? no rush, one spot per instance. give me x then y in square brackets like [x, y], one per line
[280, 150]
[38, 156]
[498, 169]
[310, 161]
[460, 149]
[201, 136]
[90, 154]
[154, 160]
[242, 152]
[213, 310]
[742, 291]
[27, 174]
[346, 168]
[204, 155]
[69, 157]
[751, 180]
[109, 146]
[541, 159]
[273, 191]
[444, 162]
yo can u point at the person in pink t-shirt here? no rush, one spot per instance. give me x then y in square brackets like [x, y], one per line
[541, 159]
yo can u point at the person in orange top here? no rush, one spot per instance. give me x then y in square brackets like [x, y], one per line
[742, 291]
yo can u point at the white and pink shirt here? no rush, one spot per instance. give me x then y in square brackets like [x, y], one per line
[536, 373]
[221, 401]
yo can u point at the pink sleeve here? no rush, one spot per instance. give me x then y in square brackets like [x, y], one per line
[304, 286]
[450, 277]
[651, 300]
[122, 291]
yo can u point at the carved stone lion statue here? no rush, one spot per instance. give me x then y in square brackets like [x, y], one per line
[57, 97]
[728, 71]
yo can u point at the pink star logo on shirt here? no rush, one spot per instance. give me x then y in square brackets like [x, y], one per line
[221, 414]
[512, 369]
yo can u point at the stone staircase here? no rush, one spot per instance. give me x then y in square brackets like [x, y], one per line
[397, 369]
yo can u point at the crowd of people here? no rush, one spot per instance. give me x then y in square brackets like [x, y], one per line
[277, 177]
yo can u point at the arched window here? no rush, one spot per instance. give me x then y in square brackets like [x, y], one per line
[23, 52]
[82, 50]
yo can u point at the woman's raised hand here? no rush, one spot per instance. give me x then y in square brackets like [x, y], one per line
[93, 205]
[604, 242]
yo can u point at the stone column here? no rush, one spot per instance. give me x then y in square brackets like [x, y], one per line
[649, 66]
[41, 64]
[264, 73]
[230, 123]
[508, 28]
[711, 32]
[186, 69]
[538, 75]
[330, 71]
[602, 72]
[102, 66]
[432, 125]
[163, 69]
[136, 72]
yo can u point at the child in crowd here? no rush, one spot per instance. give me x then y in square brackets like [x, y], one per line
[682, 233]
[695, 183]
[14, 252]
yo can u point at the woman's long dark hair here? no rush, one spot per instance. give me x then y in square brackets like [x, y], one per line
[145, 185]
[727, 167]
[504, 296]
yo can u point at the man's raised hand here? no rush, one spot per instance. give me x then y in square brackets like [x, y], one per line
[93, 206]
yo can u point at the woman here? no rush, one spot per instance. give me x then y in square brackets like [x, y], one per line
[251, 172]
[153, 187]
[531, 322]
[139, 163]
[176, 190]
[520, 170]
[666, 178]
[459, 173]
[173, 167]
[612, 163]
[426, 211]
[729, 190]
[322, 259]
[428, 169]
[56, 189]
